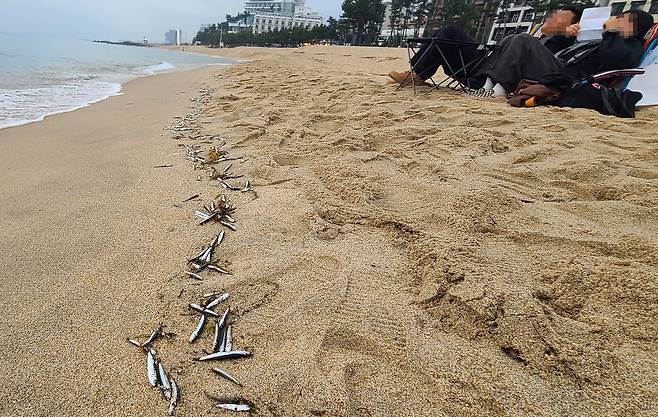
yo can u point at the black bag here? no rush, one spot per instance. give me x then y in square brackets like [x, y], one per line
[605, 100]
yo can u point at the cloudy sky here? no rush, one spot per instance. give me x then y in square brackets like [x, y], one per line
[123, 19]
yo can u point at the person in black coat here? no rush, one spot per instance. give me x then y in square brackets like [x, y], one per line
[557, 33]
[519, 57]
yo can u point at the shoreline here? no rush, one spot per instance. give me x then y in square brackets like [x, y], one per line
[121, 85]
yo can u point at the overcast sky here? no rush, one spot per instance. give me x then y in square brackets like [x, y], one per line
[124, 19]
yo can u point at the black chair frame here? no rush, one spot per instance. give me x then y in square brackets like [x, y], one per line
[453, 81]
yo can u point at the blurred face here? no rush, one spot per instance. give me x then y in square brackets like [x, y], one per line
[561, 18]
[623, 24]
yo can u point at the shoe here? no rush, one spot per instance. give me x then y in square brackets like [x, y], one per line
[480, 92]
[405, 78]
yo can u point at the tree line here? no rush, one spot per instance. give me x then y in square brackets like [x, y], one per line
[362, 20]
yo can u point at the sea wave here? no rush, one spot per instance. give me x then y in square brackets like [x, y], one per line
[23, 106]
[156, 68]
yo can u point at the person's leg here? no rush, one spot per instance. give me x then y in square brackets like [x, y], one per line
[428, 59]
[519, 57]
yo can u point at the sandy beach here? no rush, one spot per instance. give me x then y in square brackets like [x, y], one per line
[400, 255]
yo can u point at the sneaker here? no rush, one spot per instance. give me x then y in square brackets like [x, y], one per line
[480, 92]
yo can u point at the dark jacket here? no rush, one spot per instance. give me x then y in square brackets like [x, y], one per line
[556, 43]
[612, 53]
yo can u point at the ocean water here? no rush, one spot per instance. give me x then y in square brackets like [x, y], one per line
[41, 76]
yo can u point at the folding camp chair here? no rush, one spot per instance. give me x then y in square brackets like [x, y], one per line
[458, 78]
[621, 78]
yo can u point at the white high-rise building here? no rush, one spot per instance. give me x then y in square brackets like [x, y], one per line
[173, 37]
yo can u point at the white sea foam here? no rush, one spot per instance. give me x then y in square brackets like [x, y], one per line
[30, 105]
[154, 69]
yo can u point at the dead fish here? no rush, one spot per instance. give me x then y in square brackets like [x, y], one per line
[202, 215]
[218, 356]
[151, 371]
[227, 168]
[199, 328]
[164, 381]
[156, 333]
[134, 342]
[229, 218]
[195, 276]
[228, 343]
[217, 300]
[234, 407]
[216, 340]
[218, 269]
[174, 397]
[219, 239]
[226, 375]
[227, 224]
[202, 310]
[164, 166]
[247, 187]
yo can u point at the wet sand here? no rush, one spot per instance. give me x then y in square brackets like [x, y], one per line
[435, 255]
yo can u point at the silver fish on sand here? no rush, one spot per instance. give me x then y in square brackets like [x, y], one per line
[226, 375]
[236, 354]
[202, 310]
[195, 276]
[175, 393]
[228, 343]
[234, 407]
[164, 381]
[151, 370]
[217, 300]
[134, 342]
[199, 328]
[216, 341]
[156, 333]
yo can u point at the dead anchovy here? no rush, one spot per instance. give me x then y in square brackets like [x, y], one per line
[227, 224]
[199, 328]
[164, 166]
[227, 376]
[202, 310]
[164, 381]
[195, 276]
[229, 218]
[228, 186]
[247, 187]
[150, 369]
[217, 300]
[216, 340]
[228, 343]
[156, 333]
[236, 354]
[227, 168]
[220, 329]
[234, 407]
[174, 397]
[218, 269]
[134, 342]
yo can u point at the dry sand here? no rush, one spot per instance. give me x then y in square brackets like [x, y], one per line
[435, 255]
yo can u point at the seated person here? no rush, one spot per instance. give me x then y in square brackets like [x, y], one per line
[520, 57]
[558, 32]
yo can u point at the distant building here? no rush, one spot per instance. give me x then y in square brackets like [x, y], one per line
[515, 18]
[650, 6]
[270, 15]
[173, 37]
[519, 17]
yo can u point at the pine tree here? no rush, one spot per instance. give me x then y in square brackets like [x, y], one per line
[365, 18]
